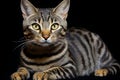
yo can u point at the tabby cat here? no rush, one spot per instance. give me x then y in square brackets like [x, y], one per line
[52, 51]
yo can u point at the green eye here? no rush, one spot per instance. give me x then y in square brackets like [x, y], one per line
[35, 26]
[54, 26]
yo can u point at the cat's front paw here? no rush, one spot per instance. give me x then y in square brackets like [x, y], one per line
[101, 72]
[17, 76]
[21, 74]
[40, 76]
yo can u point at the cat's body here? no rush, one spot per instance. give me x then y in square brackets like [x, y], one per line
[52, 52]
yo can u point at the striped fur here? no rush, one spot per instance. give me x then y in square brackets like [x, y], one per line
[52, 52]
[89, 52]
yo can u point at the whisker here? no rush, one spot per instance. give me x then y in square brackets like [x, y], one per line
[22, 39]
[20, 45]
[19, 41]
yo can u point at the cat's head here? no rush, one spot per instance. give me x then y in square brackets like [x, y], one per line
[47, 25]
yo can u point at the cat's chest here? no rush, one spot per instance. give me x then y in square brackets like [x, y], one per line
[42, 64]
[41, 61]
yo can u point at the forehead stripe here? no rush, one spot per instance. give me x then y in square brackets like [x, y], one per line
[48, 18]
[42, 16]
[39, 20]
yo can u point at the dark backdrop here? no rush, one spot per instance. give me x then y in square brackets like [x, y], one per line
[99, 16]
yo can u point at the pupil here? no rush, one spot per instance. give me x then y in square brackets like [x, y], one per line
[53, 27]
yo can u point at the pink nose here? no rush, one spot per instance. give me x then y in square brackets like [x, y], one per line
[45, 36]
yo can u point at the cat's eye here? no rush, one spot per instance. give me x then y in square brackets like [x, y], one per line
[54, 26]
[35, 26]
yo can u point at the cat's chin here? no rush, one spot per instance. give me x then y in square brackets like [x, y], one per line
[43, 44]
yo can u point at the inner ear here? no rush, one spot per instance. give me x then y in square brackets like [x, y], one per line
[27, 8]
[62, 9]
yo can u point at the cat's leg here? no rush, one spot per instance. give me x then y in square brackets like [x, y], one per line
[101, 72]
[109, 66]
[112, 69]
[106, 64]
[55, 73]
[21, 74]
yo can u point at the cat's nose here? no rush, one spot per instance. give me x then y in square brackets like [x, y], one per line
[45, 36]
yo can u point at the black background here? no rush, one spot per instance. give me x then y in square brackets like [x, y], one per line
[99, 16]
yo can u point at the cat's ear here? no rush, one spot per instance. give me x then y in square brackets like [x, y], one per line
[27, 8]
[62, 9]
